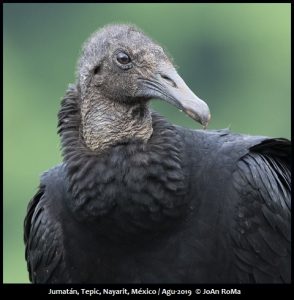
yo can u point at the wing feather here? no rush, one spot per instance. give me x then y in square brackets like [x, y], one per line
[43, 240]
[262, 231]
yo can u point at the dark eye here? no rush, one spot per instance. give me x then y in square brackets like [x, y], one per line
[96, 70]
[123, 58]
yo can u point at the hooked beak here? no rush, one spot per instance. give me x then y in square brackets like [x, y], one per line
[168, 85]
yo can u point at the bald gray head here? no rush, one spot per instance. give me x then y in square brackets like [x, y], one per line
[119, 70]
[104, 57]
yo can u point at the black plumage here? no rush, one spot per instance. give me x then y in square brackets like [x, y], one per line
[145, 201]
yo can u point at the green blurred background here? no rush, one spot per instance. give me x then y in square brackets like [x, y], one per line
[234, 56]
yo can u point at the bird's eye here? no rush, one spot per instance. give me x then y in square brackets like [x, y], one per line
[96, 70]
[123, 58]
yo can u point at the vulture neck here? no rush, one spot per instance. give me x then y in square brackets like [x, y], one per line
[106, 123]
[136, 186]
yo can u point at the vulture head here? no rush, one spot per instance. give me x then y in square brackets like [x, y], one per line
[120, 69]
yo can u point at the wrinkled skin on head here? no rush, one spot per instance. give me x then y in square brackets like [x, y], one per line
[114, 80]
[148, 73]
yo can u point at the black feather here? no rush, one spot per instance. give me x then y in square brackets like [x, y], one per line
[184, 206]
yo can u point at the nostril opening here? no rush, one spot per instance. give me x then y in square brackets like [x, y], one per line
[169, 80]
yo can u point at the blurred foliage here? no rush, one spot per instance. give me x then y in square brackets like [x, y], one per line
[234, 56]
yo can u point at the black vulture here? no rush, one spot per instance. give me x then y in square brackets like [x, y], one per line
[140, 200]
